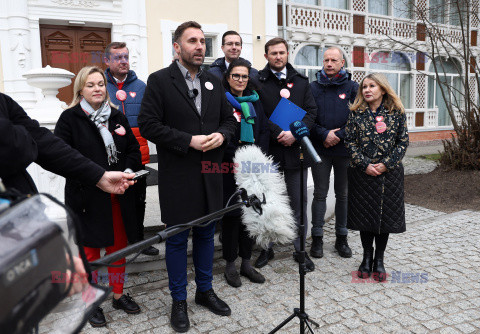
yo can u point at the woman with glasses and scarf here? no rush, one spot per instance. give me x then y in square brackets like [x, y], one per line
[377, 139]
[100, 132]
[252, 129]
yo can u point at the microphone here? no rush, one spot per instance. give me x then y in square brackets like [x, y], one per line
[259, 175]
[192, 93]
[301, 133]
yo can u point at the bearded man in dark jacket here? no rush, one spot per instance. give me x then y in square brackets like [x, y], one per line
[279, 76]
[333, 91]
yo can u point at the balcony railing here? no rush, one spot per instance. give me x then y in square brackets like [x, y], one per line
[323, 20]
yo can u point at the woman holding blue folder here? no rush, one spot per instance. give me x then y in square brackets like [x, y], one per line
[252, 129]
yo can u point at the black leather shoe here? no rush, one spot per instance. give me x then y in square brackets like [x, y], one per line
[152, 251]
[316, 250]
[365, 268]
[264, 257]
[253, 275]
[341, 245]
[211, 301]
[233, 279]
[378, 273]
[126, 303]
[309, 265]
[179, 317]
[97, 319]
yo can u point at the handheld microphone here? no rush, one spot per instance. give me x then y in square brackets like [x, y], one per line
[301, 133]
[259, 175]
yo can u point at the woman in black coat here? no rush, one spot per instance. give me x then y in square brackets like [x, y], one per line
[251, 129]
[376, 138]
[100, 132]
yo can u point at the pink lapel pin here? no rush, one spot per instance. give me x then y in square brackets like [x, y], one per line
[342, 96]
[133, 94]
[120, 130]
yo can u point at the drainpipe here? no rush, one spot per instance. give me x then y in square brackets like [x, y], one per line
[284, 19]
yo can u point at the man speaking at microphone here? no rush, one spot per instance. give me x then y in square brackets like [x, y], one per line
[185, 113]
[279, 79]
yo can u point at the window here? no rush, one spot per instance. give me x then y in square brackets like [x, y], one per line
[403, 8]
[458, 10]
[307, 2]
[437, 10]
[396, 68]
[378, 7]
[451, 82]
[339, 4]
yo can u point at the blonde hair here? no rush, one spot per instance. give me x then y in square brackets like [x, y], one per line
[80, 81]
[391, 101]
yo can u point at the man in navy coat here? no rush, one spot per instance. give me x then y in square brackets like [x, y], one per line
[333, 91]
[185, 113]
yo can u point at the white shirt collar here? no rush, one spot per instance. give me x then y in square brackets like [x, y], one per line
[117, 80]
[283, 71]
[226, 63]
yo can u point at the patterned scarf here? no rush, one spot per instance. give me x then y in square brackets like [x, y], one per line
[100, 118]
[244, 103]
[324, 79]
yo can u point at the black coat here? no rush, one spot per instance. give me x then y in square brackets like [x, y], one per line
[169, 119]
[23, 141]
[261, 133]
[92, 205]
[301, 95]
[376, 203]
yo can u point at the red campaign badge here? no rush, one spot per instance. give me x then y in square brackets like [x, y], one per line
[381, 127]
[120, 130]
[290, 85]
[121, 95]
[132, 94]
[342, 96]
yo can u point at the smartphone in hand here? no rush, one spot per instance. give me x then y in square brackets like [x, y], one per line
[140, 174]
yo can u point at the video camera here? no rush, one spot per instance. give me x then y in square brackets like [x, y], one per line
[36, 245]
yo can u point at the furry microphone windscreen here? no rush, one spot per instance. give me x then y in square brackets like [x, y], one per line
[258, 175]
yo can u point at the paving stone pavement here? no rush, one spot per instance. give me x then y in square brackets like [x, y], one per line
[433, 288]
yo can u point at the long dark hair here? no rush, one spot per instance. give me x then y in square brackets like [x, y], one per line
[237, 63]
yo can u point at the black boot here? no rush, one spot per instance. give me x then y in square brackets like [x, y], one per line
[379, 274]
[179, 316]
[264, 257]
[341, 245]
[316, 250]
[365, 268]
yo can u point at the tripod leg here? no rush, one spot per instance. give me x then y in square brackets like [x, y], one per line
[309, 327]
[286, 321]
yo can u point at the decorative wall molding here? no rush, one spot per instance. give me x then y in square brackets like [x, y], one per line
[77, 3]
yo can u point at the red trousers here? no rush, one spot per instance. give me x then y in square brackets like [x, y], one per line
[116, 276]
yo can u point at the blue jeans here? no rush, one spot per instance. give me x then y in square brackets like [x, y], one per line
[176, 260]
[321, 180]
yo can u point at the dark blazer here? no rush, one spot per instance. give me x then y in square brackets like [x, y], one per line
[301, 95]
[169, 119]
[92, 205]
[23, 141]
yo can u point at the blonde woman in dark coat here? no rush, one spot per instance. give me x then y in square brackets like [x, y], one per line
[376, 138]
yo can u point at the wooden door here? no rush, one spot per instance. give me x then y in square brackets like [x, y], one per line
[72, 48]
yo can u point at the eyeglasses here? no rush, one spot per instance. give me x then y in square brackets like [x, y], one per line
[237, 44]
[237, 77]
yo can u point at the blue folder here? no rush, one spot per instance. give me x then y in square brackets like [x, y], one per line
[285, 113]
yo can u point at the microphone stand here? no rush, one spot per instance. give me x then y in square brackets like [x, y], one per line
[161, 236]
[300, 312]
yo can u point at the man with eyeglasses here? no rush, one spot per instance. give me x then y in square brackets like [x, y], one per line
[232, 48]
[333, 91]
[126, 91]
[186, 114]
[279, 79]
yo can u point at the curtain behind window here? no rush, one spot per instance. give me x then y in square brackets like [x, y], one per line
[340, 4]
